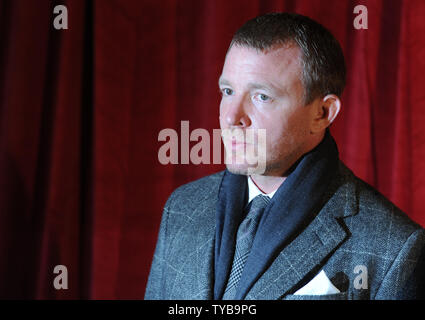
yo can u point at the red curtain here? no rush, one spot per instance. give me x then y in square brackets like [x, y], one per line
[81, 109]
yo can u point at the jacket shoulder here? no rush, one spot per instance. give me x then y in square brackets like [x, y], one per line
[376, 215]
[195, 192]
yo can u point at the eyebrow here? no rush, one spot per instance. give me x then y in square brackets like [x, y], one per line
[255, 85]
[251, 85]
[223, 81]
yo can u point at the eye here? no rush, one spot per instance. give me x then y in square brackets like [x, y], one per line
[227, 91]
[262, 97]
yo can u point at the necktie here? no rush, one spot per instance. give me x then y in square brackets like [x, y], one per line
[244, 239]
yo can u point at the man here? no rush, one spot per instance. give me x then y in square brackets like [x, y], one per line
[304, 227]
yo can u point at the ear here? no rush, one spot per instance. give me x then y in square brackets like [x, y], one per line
[325, 111]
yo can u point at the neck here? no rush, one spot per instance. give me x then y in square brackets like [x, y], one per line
[267, 184]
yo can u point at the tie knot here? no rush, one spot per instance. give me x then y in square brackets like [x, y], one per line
[260, 201]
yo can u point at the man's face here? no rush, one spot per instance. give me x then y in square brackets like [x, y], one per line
[263, 90]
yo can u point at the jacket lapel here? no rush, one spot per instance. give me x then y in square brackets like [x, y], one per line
[303, 258]
[230, 209]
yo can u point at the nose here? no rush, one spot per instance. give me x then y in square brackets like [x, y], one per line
[236, 115]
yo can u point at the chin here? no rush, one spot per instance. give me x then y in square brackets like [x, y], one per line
[246, 169]
[245, 164]
[237, 169]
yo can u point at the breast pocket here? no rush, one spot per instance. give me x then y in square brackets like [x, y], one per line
[333, 296]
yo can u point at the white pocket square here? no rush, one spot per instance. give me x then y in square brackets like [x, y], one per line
[319, 285]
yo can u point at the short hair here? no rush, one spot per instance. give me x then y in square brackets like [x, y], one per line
[322, 58]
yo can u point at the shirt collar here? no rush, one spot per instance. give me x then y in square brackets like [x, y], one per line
[253, 190]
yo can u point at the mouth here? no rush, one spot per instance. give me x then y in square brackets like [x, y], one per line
[236, 143]
[238, 139]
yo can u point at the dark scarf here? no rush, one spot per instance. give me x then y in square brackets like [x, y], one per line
[293, 207]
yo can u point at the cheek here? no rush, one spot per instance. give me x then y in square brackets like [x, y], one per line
[286, 131]
[222, 116]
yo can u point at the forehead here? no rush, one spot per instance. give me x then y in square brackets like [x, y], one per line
[280, 64]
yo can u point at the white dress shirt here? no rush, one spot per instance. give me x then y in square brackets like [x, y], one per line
[253, 191]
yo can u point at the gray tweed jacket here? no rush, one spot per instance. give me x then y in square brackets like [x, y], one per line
[357, 229]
